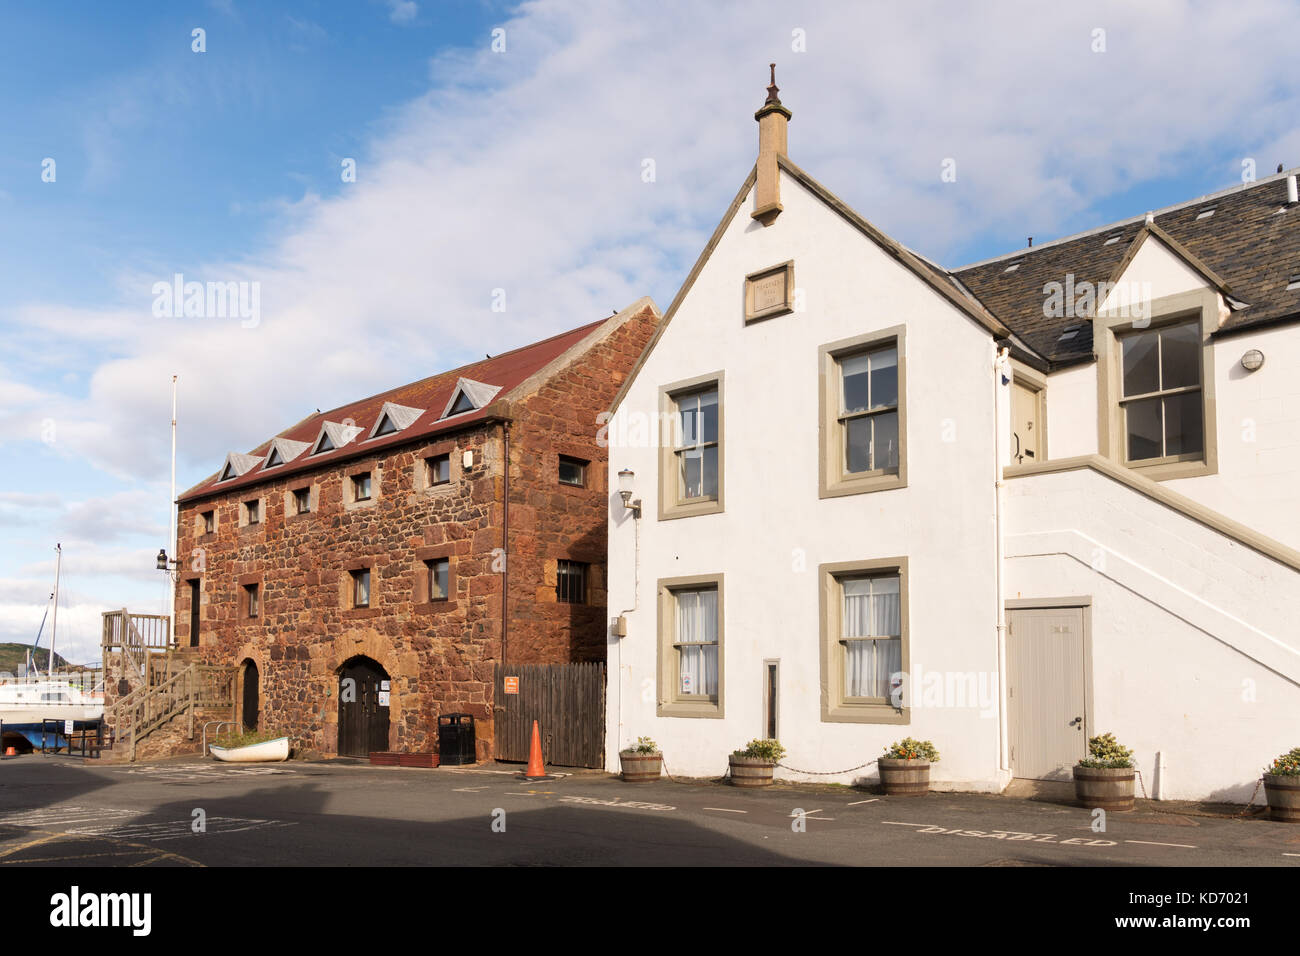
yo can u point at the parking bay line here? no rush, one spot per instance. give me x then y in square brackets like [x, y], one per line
[724, 810]
[1185, 846]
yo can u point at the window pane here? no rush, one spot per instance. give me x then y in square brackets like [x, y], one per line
[855, 373]
[362, 579]
[572, 471]
[1141, 372]
[871, 607]
[857, 445]
[709, 416]
[699, 670]
[868, 666]
[689, 419]
[710, 472]
[1143, 423]
[884, 378]
[1180, 357]
[1183, 432]
[439, 469]
[438, 574]
[885, 441]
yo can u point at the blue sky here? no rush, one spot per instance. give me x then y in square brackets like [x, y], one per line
[515, 169]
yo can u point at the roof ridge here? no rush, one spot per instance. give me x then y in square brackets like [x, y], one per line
[1120, 223]
[451, 371]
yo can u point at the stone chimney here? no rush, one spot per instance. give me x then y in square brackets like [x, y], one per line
[773, 120]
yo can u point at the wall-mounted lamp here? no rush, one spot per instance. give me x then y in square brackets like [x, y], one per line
[1252, 360]
[165, 563]
[625, 479]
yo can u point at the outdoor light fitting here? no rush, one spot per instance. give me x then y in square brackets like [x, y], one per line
[625, 479]
[1252, 360]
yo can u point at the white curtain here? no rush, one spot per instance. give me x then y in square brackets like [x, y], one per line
[697, 623]
[872, 610]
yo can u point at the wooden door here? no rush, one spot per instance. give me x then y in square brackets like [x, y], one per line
[363, 708]
[1026, 429]
[252, 688]
[194, 613]
[1045, 691]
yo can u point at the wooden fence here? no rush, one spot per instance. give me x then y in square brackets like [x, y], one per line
[568, 703]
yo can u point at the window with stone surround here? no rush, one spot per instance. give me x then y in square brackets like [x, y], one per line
[862, 430]
[864, 636]
[360, 587]
[253, 511]
[573, 471]
[252, 599]
[691, 662]
[361, 486]
[438, 469]
[691, 463]
[439, 570]
[302, 500]
[570, 582]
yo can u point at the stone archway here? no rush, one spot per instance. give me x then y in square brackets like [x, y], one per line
[365, 696]
[250, 694]
[400, 671]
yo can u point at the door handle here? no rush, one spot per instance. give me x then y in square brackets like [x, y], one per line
[1077, 720]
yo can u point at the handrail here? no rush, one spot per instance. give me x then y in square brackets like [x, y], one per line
[151, 706]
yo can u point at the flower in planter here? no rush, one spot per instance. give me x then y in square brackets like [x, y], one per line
[643, 745]
[1287, 765]
[769, 750]
[1106, 751]
[911, 749]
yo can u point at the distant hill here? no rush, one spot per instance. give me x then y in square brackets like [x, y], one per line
[13, 656]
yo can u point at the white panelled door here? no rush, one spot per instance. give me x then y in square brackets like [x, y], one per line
[1045, 691]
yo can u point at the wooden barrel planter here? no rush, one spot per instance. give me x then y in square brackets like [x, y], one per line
[1283, 793]
[1105, 788]
[751, 771]
[904, 778]
[641, 768]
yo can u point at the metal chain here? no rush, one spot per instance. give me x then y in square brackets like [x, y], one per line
[828, 773]
[1250, 804]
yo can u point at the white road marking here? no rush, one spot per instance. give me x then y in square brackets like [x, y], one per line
[1185, 846]
[630, 804]
[468, 789]
[895, 823]
[724, 810]
[1291, 854]
[856, 803]
[1011, 836]
[807, 813]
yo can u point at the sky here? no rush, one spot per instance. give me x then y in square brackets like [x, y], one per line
[384, 172]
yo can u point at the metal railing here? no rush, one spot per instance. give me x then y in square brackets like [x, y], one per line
[137, 636]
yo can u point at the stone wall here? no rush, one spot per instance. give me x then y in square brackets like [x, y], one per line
[440, 656]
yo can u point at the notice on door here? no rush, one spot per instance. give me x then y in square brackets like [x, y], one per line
[512, 685]
[383, 698]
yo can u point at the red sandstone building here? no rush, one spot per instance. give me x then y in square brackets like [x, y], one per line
[389, 542]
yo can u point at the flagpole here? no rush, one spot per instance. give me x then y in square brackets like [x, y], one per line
[54, 623]
[171, 578]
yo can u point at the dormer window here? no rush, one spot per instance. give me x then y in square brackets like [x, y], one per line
[469, 396]
[237, 465]
[393, 418]
[323, 445]
[228, 472]
[334, 435]
[275, 458]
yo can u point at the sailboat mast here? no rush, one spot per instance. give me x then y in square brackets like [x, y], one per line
[54, 623]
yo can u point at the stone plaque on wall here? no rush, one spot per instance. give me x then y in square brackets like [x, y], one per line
[769, 292]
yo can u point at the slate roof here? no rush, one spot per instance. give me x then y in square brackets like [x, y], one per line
[505, 371]
[1252, 242]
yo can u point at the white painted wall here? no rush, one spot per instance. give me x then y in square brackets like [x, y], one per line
[1258, 482]
[1072, 411]
[776, 531]
[1195, 651]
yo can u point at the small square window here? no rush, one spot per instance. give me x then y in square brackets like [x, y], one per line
[302, 500]
[573, 471]
[209, 522]
[439, 469]
[252, 599]
[361, 487]
[254, 511]
[439, 578]
[571, 582]
[361, 587]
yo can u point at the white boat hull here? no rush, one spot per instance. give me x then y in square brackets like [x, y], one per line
[277, 749]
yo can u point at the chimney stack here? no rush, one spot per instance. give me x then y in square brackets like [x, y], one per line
[1291, 197]
[773, 120]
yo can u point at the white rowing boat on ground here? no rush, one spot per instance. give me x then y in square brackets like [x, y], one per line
[277, 749]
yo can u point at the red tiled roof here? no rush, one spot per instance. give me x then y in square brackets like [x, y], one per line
[507, 370]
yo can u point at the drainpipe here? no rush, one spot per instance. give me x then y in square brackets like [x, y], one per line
[505, 541]
[1001, 375]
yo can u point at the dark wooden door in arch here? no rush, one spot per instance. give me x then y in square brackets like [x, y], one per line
[252, 689]
[363, 707]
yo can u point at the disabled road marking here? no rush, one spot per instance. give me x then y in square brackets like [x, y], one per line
[1009, 835]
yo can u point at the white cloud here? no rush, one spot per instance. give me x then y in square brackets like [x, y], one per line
[522, 171]
[402, 11]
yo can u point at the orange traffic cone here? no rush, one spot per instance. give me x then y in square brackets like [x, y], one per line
[535, 771]
[10, 752]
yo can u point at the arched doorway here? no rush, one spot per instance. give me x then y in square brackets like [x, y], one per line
[251, 680]
[363, 707]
